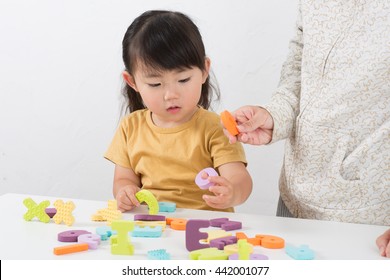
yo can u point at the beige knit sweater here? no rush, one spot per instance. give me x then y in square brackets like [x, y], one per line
[333, 106]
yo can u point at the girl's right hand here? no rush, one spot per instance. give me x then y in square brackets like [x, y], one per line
[255, 126]
[126, 199]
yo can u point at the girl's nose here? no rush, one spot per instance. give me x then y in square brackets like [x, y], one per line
[170, 93]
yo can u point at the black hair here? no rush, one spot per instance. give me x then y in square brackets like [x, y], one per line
[164, 40]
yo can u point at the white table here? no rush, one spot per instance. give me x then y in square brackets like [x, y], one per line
[20, 239]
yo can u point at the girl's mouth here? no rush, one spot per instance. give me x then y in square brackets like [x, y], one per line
[173, 109]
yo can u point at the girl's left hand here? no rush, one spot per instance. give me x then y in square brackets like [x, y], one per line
[223, 191]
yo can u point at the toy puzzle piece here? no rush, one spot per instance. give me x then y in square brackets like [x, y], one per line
[208, 254]
[120, 242]
[105, 232]
[214, 234]
[79, 247]
[147, 231]
[220, 243]
[253, 241]
[218, 222]
[231, 225]
[193, 235]
[144, 217]
[162, 224]
[204, 184]
[35, 210]
[64, 212]
[303, 252]
[226, 224]
[266, 241]
[93, 240]
[167, 206]
[270, 241]
[160, 254]
[50, 212]
[98, 217]
[70, 235]
[147, 197]
[111, 213]
[178, 224]
[229, 122]
[233, 249]
[244, 249]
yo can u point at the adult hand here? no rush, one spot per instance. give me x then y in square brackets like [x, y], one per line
[383, 243]
[255, 126]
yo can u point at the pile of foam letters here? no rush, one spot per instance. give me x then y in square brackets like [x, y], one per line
[212, 245]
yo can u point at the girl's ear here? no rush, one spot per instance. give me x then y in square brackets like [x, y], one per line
[129, 80]
[207, 63]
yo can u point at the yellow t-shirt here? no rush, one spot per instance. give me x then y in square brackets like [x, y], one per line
[168, 159]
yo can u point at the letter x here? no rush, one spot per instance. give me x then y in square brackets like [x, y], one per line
[35, 210]
[64, 212]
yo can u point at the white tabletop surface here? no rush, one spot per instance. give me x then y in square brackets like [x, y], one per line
[20, 239]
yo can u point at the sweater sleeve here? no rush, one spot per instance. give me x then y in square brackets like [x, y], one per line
[284, 104]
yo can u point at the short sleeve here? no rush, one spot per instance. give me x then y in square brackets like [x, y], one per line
[118, 151]
[222, 151]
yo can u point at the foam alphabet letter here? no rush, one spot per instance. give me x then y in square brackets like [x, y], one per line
[193, 235]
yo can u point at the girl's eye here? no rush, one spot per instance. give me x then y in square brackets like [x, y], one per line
[184, 80]
[154, 85]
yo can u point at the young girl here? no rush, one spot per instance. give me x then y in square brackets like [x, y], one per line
[169, 136]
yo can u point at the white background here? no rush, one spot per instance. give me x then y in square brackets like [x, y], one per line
[60, 102]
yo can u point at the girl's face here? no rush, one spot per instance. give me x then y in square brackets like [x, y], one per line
[172, 96]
